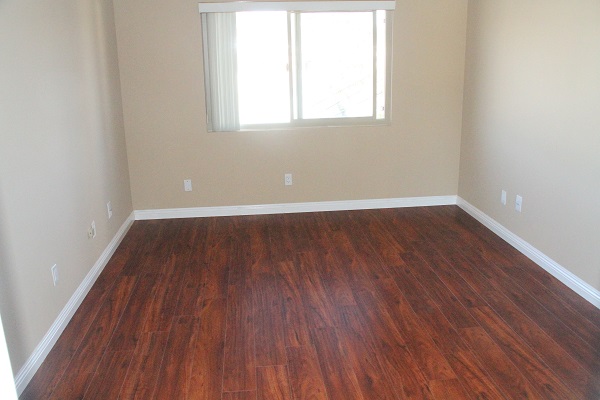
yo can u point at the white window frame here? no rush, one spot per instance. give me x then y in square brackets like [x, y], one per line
[311, 6]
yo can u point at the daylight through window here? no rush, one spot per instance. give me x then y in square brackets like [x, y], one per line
[282, 65]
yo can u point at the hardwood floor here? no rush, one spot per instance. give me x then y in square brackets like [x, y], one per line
[415, 303]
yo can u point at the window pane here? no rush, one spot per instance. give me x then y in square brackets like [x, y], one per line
[337, 64]
[263, 80]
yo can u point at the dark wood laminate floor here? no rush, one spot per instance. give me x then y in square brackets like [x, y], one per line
[415, 303]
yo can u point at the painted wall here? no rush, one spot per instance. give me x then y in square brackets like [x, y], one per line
[532, 124]
[160, 59]
[62, 157]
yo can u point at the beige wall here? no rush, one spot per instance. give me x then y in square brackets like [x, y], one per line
[62, 157]
[160, 58]
[532, 124]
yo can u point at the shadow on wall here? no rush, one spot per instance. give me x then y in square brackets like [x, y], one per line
[7, 306]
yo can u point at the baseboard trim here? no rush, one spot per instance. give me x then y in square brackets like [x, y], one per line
[555, 269]
[34, 361]
[285, 208]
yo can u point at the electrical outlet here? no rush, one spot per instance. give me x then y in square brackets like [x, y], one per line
[54, 271]
[503, 198]
[109, 210]
[187, 185]
[92, 230]
[518, 203]
[288, 179]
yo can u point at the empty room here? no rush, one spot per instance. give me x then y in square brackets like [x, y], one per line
[226, 200]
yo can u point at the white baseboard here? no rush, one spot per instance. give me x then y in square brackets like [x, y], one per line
[555, 269]
[43, 348]
[285, 208]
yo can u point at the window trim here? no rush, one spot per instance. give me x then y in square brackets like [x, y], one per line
[348, 5]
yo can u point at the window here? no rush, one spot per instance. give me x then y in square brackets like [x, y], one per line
[279, 65]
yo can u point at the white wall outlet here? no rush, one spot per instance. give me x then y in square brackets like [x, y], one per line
[92, 230]
[503, 198]
[187, 185]
[54, 271]
[518, 203]
[109, 210]
[287, 179]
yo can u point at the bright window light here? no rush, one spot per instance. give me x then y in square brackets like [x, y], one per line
[281, 69]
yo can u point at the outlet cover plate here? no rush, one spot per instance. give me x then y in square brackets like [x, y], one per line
[54, 271]
[518, 203]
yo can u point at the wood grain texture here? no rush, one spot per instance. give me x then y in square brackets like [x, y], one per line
[419, 303]
[173, 381]
[273, 383]
[305, 376]
[144, 369]
[339, 376]
[206, 381]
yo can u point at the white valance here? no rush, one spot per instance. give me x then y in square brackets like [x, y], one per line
[306, 6]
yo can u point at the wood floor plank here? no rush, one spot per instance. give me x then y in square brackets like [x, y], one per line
[452, 307]
[273, 383]
[426, 354]
[243, 395]
[268, 320]
[524, 270]
[287, 237]
[174, 378]
[539, 283]
[127, 333]
[305, 376]
[532, 368]
[214, 275]
[165, 295]
[362, 356]
[152, 252]
[559, 289]
[349, 255]
[473, 375]
[206, 380]
[585, 354]
[110, 375]
[295, 327]
[563, 364]
[76, 377]
[339, 377]
[452, 279]
[448, 390]
[239, 372]
[193, 270]
[500, 367]
[143, 372]
[319, 310]
[408, 379]
[57, 361]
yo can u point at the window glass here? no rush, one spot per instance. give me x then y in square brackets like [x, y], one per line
[277, 69]
[337, 64]
[262, 60]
